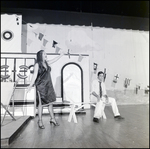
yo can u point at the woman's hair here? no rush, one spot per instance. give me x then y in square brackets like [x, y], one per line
[40, 60]
[39, 56]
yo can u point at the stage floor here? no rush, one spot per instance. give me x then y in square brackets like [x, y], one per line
[10, 128]
[132, 132]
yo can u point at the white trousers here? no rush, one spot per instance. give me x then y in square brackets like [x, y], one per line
[100, 106]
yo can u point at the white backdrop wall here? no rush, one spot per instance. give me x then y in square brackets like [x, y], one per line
[122, 52]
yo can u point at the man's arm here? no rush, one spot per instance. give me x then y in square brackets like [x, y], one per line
[105, 93]
[93, 93]
[96, 95]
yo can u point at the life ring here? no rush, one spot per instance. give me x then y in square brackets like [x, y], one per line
[7, 35]
[23, 67]
[9, 71]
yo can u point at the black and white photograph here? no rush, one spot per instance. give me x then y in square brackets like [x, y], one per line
[74, 74]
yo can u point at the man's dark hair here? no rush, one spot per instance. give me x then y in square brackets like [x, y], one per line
[100, 72]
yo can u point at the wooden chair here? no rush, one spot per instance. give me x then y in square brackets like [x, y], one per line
[72, 111]
[103, 108]
[103, 112]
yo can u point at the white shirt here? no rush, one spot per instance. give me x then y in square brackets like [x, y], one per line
[95, 87]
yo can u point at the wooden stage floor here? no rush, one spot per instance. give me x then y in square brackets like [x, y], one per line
[11, 128]
[132, 132]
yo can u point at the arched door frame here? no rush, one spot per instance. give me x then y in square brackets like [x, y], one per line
[81, 79]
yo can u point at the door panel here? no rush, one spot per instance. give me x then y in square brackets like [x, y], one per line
[72, 83]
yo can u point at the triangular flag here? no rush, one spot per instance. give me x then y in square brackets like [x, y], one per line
[40, 36]
[42, 47]
[44, 42]
[80, 58]
[57, 49]
[35, 34]
[54, 43]
[33, 26]
[29, 41]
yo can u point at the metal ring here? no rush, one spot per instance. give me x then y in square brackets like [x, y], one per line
[9, 72]
[23, 76]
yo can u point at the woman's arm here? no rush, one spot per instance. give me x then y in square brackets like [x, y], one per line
[36, 67]
[55, 59]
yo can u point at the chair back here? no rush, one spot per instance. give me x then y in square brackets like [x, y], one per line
[7, 90]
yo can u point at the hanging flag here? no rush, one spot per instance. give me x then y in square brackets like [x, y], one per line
[42, 47]
[95, 66]
[29, 41]
[35, 34]
[80, 58]
[115, 78]
[129, 81]
[68, 53]
[32, 26]
[57, 49]
[40, 36]
[126, 82]
[137, 88]
[44, 42]
[54, 43]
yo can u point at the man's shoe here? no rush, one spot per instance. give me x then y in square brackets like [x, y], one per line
[119, 117]
[96, 120]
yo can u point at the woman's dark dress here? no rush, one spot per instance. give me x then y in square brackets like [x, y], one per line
[44, 86]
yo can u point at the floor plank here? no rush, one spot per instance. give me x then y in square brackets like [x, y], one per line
[133, 132]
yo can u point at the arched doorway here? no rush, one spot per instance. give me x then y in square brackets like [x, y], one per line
[72, 82]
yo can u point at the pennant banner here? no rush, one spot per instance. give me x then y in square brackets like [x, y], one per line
[44, 42]
[35, 33]
[40, 36]
[57, 49]
[54, 43]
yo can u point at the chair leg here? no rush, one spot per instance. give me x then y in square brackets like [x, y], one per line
[6, 110]
[72, 114]
[103, 113]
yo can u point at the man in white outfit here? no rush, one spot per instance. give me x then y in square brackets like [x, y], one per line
[99, 91]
